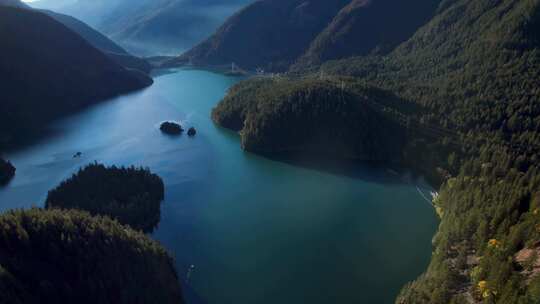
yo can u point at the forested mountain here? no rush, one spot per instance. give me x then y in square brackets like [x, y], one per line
[150, 27]
[273, 34]
[14, 3]
[101, 42]
[368, 26]
[268, 33]
[47, 70]
[61, 256]
[95, 38]
[468, 86]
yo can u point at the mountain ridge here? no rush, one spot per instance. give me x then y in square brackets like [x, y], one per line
[77, 74]
[277, 35]
[150, 27]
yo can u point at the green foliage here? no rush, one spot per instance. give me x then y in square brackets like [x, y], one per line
[475, 71]
[472, 76]
[130, 195]
[364, 27]
[61, 256]
[329, 117]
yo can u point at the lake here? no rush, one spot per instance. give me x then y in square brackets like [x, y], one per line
[243, 229]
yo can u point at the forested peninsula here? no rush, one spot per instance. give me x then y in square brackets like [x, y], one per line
[465, 89]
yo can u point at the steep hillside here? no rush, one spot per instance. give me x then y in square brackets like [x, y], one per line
[46, 70]
[471, 76]
[60, 256]
[277, 34]
[14, 3]
[102, 43]
[151, 27]
[95, 38]
[368, 26]
[270, 34]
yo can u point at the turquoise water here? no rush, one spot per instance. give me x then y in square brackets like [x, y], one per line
[255, 230]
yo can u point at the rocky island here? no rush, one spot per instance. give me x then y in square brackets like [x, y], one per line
[89, 257]
[7, 171]
[171, 128]
[130, 195]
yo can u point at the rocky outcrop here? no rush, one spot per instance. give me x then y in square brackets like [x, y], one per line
[171, 128]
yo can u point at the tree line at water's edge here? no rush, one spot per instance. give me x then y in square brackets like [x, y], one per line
[465, 91]
[88, 244]
[69, 256]
[130, 195]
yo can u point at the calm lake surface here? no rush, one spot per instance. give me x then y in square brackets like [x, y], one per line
[255, 230]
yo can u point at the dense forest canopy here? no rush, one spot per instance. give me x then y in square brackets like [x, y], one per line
[450, 89]
[60, 256]
[366, 27]
[467, 86]
[310, 116]
[130, 195]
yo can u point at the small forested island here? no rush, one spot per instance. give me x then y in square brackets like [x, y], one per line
[171, 128]
[130, 195]
[68, 256]
[7, 171]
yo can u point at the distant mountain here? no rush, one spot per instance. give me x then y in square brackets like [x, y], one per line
[275, 34]
[95, 38]
[101, 42]
[13, 3]
[47, 70]
[150, 27]
[269, 33]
